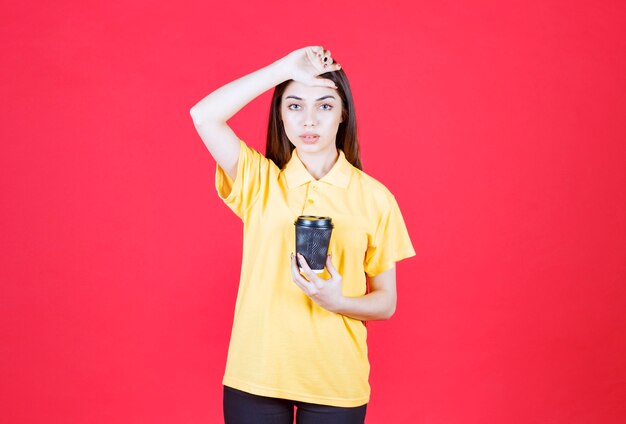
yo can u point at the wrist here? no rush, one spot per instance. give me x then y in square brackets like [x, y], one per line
[280, 70]
[340, 304]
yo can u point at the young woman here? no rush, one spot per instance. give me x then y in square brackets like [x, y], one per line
[298, 338]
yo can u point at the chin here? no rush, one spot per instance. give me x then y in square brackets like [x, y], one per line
[315, 146]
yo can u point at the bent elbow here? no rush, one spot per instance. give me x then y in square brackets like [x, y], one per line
[390, 314]
[205, 119]
[392, 308]
[199, 118]
[194, 116]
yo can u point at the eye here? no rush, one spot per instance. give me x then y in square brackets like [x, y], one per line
[293, 106]
[326, 106]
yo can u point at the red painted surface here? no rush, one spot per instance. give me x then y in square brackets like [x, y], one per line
[499, 126]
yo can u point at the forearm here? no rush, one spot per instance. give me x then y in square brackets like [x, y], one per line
[226, 101]
[377, 305]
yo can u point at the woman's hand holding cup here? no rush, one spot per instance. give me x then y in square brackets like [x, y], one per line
[326, 293]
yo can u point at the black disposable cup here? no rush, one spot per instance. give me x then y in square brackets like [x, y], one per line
[312, 240]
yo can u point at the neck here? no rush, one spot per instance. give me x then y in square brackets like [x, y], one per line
[320, 163]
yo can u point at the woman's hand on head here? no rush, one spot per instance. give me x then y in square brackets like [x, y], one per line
[326, 293]
[307, 63]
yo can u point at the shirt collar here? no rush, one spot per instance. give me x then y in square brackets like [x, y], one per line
[297, 174]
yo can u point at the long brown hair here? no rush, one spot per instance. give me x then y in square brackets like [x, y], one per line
[278, 147]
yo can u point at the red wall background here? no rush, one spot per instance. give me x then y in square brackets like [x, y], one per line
[499, 126]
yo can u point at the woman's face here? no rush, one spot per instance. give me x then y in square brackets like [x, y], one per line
[311, 116]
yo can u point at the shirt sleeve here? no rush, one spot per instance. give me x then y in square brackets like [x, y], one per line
[391, 242]
[252, 175]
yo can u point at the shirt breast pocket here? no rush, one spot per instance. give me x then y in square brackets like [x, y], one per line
[350, 235]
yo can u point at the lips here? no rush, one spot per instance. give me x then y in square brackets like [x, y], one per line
[309, 137]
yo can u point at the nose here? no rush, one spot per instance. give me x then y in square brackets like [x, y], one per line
[310, 118]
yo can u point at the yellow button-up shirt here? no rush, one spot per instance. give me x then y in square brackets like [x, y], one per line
[283, 344]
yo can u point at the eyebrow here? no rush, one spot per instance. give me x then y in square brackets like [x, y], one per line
[321, 98]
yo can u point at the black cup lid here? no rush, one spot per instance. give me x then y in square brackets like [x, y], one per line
[314, 221]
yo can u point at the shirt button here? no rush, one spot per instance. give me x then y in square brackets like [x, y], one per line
[310, 200]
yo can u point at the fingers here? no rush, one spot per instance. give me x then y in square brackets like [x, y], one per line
[317, 49]
[312, 283]
[330, 66]
[306, 269]
[326, 58]
[331, 268]
[297, 278]
[312, 55]
[315, 54]
[327, 61]
[325, 82]
[295, 268]
[306, 286]
[333, 67]
[311, 275]
[322, 59]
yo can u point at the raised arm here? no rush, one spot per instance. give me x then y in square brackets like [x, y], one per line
[211, 113]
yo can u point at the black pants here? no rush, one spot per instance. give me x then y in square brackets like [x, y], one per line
[245, 408]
